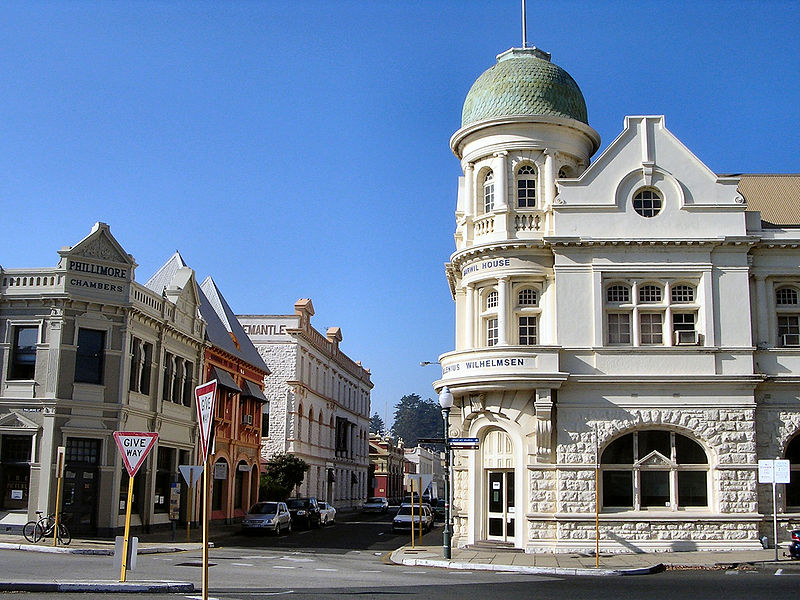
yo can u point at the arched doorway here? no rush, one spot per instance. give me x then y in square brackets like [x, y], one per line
[499, 485]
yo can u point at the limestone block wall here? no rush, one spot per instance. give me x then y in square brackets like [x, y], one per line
[282, 362]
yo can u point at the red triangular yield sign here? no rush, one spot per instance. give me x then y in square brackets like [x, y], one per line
[206, 396]
[134, 447]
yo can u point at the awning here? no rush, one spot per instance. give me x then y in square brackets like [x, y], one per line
[251, 390]
[225, 380]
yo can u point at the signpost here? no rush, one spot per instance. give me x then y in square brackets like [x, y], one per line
[463, 443]
[134, 447]
[206, 397]
[774, 472]
[191, 473]
[61, 454]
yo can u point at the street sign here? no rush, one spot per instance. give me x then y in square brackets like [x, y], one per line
[206, 395]
[134, 447]
[430, 441]
[191, 473]
[773, 471]
[463, 443]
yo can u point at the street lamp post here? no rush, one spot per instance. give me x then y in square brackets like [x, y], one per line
[446, 402]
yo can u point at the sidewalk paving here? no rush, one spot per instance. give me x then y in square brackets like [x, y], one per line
[491, 559]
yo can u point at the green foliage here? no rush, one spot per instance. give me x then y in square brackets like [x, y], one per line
[376, 424]
[282, 473]
[415, 418]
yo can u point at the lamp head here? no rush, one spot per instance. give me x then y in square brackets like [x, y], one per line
[446, 398]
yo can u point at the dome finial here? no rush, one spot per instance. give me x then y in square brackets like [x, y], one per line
[524, 27]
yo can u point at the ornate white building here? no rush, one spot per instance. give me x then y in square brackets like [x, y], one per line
[318, 406]
[638, 312]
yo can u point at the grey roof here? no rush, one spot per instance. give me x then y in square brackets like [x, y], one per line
[524, 83]
[163, 277]
[225, 379]
[221, 324]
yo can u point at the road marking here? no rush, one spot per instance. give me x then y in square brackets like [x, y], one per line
[292, 559]
[370, 571]
[242, 564]
[460, 572]
[331, 570]
[282, 567]
[414, 572]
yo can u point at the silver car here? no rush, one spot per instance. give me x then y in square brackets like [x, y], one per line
[327, 514]
[268, 516]
[403, 518]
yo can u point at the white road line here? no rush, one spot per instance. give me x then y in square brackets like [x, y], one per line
[331, 570]
[292, 559]
[282, 567]
[414, 572]
[242, 564]
[369, 571]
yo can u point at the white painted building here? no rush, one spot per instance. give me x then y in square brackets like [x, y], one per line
[637, 312]
[319, 402]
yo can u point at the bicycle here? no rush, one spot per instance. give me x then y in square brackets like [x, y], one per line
[41, 528]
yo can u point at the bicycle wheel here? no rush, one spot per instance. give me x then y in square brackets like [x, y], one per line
[63, 534]
[32, 531]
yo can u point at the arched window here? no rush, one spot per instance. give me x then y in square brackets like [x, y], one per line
[618, 294]
[300, 422]
[788, 317]
[654, 470]
[526, 187]
[793, 487]
[488, 192]
[491, 300]
[527, 297]
[527, 316]
[682, 294]
[647, 202]
[650, 293]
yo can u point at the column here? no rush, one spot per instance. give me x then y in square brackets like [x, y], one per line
[502, 311]
[548, 181]
[469, 317]
[635, 314]
[762, 326]
[500, 182]
[469, 190]
[668, 339]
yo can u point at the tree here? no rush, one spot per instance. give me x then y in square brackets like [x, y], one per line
[376, 424]
[282, 473]
[415, 418]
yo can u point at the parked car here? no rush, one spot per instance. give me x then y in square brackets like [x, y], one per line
[794, 546]
[327, 514]
[375, 504]
[402, 520]
[305, 512]
[439, 509]
[268, 516]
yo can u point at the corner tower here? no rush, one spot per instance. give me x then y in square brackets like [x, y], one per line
[524, 126]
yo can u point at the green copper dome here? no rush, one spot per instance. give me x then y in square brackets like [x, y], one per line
[524, 82]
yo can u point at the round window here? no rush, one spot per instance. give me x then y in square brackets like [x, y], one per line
[647, 203]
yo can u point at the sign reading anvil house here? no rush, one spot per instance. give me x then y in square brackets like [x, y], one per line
[206, 395]
[134, 447]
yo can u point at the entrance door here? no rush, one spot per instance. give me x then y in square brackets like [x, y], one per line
[501, 514]
[81, 484]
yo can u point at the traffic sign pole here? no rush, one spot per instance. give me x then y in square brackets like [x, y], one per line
[125, 539]
[205, 399]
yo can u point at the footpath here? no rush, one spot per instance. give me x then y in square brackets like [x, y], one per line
[473, 559]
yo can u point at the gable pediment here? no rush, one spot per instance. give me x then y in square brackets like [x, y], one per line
[655, 459]
[16, 421]
[98, 253]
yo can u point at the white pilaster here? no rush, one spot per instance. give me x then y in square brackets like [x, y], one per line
[502, 311]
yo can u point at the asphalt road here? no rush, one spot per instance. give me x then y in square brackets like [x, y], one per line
[348, 560]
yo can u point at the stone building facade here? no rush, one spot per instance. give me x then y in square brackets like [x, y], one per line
[639, 314]
[318, 404]
[85, 350]
[387, 468]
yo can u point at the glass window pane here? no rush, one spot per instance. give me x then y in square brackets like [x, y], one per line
[618, 489]
[654, 440]
[619, 452]
[689, 452]
[692, 488]
[89, 356]
[655, 489]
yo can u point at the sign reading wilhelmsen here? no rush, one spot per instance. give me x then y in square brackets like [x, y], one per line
[486, 363]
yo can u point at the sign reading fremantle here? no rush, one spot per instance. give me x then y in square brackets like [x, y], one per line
[83, 275]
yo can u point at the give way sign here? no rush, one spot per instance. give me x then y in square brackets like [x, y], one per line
[206, 395]
[134, 446]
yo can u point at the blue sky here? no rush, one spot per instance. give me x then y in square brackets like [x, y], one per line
[300, 149]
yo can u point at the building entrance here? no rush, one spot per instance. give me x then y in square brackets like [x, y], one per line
[500, 502]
